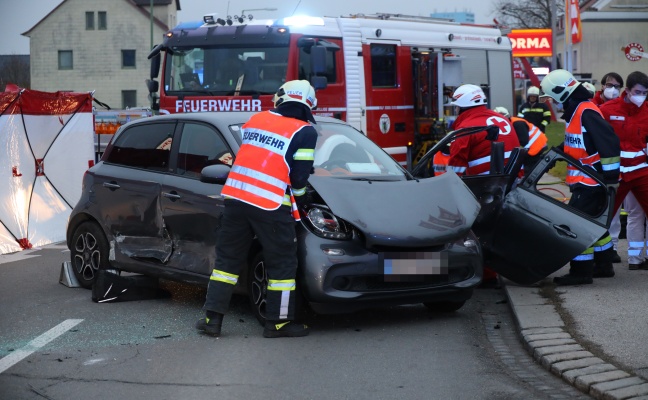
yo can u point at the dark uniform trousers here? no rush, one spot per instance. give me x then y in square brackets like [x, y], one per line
[590, 200]
[275, 231]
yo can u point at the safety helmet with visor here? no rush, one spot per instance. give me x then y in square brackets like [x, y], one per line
[558, 85]
[299, 91]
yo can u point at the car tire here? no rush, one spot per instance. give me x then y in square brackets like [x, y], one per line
[257, 286]
[445, 306]
[88, 253]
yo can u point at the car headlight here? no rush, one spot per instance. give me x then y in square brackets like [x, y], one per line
[321, 221]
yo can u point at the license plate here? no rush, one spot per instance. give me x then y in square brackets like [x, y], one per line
[413, 266]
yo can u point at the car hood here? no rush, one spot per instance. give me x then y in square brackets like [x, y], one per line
[414, 213]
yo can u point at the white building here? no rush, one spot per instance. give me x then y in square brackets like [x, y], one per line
[99, 45]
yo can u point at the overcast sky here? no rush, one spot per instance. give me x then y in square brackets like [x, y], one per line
[18, 16]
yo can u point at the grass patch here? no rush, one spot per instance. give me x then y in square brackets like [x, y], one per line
[555, 136]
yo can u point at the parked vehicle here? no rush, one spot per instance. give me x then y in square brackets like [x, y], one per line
[374, 235]
[388, 75]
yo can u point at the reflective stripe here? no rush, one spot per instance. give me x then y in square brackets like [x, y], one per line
[299, 192]
[458, 170]
[632, 154]
[603, 247]
[222, 276]
[610, 167]
[634, 252]
[286, 200]
[584, 257]
[479, 161]
[266, 140]
[283, 304]
[258, 175]
[266, 194]
[304, 154]
[286, 284]
[636, 244]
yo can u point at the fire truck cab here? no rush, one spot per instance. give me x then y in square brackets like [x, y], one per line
[388, 75]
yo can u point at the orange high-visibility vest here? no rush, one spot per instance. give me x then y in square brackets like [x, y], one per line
[260, 174]
[537, 138]
[575, 147]
[440, 163]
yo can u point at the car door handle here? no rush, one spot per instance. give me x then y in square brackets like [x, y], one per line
[565, 231]
[172, 195]
[111, 185]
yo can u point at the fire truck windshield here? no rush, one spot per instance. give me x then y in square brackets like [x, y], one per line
[225, 71]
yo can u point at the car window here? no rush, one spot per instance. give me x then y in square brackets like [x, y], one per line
[200, 146]
[143, 146]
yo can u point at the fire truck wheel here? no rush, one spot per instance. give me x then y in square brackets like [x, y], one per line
[89, 253]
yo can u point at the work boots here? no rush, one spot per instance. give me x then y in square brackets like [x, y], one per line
[603, 270]
[211, 325]
[580, 273]
[276, 329]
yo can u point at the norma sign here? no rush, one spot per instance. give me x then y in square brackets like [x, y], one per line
[531, 42]
[633, 51]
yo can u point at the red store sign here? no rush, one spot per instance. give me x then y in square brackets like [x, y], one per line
[531, 42]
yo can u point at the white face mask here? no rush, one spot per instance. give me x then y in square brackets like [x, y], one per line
[611, 93]
[637, 100]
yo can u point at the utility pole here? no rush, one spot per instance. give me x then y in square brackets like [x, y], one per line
[554, 10]
[151, 24]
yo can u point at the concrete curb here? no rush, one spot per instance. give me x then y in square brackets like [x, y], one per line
[545, 337]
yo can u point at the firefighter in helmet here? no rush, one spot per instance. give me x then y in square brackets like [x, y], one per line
[530, 137]
[592, 141]
[535, 111]
[266, 184]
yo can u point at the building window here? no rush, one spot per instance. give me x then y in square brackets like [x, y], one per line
[129, 98]
[103, 20]
[128, 58]
[89, 20]
[65, 59]
[383, 65]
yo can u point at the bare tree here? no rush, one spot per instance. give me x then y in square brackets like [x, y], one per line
[525, 14]
[14, 69]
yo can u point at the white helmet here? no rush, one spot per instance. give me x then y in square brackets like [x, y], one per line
[558, 85]
[468, 96]
[591, 88]
[503, 111]
[299, 91]
[533, 91]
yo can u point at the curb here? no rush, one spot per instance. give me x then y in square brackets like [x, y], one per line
[545, 337]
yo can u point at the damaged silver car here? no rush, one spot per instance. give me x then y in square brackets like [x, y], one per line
[374, 234]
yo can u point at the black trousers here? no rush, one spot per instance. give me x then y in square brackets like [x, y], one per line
[275, 231]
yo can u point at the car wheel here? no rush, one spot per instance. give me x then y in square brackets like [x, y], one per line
[445, 306]
[257, 287]
[89, 253]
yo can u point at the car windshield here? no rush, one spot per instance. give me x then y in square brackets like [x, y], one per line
[226, 71]
[343, 152]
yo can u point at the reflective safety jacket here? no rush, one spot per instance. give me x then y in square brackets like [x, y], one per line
[537, 113]
[471, 155]
[593, 148]
[630, 124]
[260, 175]
[440, 162]
[537, 140]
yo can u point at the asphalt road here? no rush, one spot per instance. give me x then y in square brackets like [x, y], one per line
[55, 343]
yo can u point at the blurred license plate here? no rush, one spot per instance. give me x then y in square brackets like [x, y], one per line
[413, 266]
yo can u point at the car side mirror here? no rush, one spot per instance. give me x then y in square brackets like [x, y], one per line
[215, 174]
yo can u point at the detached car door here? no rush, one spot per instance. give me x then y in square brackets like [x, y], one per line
[192, 208]
[535, 232]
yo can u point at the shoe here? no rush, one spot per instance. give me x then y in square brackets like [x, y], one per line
[604, 271]
[634, 267]
[275, 329]
[616, 258]
[210, 326]
[570, 280]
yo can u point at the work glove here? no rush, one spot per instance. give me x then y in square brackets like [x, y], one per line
[303, 200]
[613, 186]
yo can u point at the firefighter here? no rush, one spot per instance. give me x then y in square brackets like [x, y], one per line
[268, 177]
[590, 140]
[535, 111]
[628, 115]
[611, 84]
[470, 155]
[530, 137]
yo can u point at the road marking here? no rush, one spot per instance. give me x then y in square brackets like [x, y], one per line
[20, 354]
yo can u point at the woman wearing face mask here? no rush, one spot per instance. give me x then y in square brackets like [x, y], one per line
[611, 85]
[628, 115]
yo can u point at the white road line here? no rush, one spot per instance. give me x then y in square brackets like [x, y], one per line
[20, 354]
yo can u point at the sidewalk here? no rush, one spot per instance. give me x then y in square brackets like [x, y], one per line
[593, 336]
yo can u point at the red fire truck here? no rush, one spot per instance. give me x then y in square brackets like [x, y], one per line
[389, 75]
